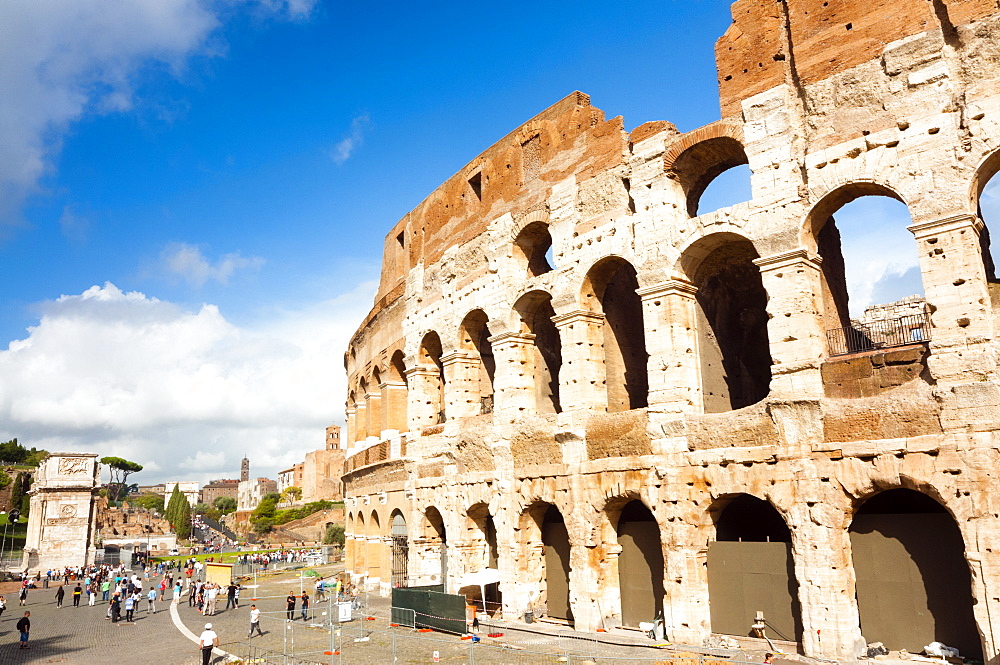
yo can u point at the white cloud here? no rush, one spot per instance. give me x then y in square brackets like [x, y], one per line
[185, 393]
[346, 147]
[188, 263]
[63, 59]
[880, 254]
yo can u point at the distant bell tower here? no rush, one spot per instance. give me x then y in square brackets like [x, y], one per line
[245, 470]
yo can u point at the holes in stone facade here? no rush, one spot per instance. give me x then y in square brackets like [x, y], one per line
[905, 541]
[610, 288]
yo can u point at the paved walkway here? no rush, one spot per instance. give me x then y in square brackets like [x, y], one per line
[82, 636]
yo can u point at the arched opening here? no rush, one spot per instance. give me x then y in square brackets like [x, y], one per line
[488, 555]
[640, 564]
[986, 188]
[610, 288]
[374, 556]
[750, 570]
[733, 346]
[400, 551]
[349, 554]
[396, 396]
[532, 248]
[547, 549]
[352, 424]
[535, 310]
[475, 339]
[361, 546]
[363, 412]
[698, 166]
[436, 541]
[913, 582]
[873, 293]
[430, 357]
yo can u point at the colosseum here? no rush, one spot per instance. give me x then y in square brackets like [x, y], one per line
[629, 407]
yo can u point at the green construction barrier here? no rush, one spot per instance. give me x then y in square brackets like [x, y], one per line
[431, 608]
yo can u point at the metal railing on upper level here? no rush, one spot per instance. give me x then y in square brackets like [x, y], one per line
[862, 337]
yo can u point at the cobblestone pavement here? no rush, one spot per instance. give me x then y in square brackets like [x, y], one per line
[82, 636]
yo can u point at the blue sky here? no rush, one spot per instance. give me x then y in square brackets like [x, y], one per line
[193, 193]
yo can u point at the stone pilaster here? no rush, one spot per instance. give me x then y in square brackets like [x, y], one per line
[373, 414]
[352, 424]
[424, 405]
[795, 330]
[581, 378]
[670, 315]
[955, 286]
[461, 372]
[394, 406]
[514, 382]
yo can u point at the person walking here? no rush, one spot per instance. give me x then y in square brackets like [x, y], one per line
[206, 642]
[151, 601]
[305, 606]
[231, 595]
[129, 607]
[60, 594]
[254, 621]
[22, 595]
[92, 594]
[24, 627]
[290, 607]
[116, 608]
[105, 589]
[3, 605]
[77, 592]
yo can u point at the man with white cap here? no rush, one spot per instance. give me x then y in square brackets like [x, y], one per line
[206, 642]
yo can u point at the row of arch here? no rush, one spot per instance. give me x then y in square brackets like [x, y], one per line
[910, 589]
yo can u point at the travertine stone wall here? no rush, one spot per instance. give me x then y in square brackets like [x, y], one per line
[61, 523]
[826, 102]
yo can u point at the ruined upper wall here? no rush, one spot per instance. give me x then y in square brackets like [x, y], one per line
[515, 173]
[802, 42]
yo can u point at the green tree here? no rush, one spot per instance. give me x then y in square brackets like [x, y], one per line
[292, 493]
[266, 507]
[25, 499]
[16, 491]
[334, 535]
[182, 526]
[120, 469]
[225, 504]
[11, 452]
[176, 498]
[149, 501]
[262, 526]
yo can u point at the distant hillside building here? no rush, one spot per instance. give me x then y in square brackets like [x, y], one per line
[222, 487]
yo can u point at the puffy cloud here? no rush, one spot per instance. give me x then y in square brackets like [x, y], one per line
[185, 393]
[188, 263]
[346, 147]
[62, 59]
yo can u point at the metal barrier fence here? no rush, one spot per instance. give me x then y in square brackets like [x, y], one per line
[861, 337]
[360, 643]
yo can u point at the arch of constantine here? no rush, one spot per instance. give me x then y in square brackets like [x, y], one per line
[628, 406]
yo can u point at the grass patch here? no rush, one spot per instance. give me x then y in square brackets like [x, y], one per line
[227, 557]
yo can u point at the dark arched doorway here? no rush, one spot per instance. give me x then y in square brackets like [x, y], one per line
[750, 570]
[555, 538]
[640, 564]
[913, 583]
